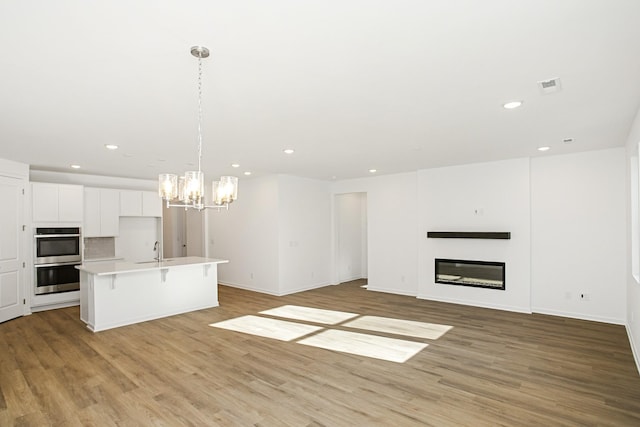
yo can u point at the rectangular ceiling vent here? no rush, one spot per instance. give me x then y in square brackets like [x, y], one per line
[549, 86]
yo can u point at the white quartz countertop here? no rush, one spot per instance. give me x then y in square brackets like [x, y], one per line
[118, 267]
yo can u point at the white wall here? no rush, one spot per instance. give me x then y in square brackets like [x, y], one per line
[579, 235]
[247, 235]
[137, 237]
[479, 197]
[277, 235]
[351, 234]
[392, 231]
[304, 229]
[633, 286]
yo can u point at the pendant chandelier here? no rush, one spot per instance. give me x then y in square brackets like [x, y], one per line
[187, 191]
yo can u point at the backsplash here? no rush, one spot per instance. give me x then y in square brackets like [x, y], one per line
[99, 247]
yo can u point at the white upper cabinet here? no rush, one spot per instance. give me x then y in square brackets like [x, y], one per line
[130, 203]
[151, 204]
[56, 202]
[101, 212]
[140, 203]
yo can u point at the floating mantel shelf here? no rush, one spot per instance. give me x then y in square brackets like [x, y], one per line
[469, 234]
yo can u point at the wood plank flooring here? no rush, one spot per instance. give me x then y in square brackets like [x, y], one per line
[493, 368]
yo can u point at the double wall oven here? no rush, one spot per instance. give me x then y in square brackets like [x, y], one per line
[56, 254]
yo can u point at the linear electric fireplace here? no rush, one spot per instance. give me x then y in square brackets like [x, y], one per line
[480, 274]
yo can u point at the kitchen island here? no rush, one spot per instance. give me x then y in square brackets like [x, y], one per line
[120, 293]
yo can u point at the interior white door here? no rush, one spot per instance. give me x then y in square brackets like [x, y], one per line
[11, 214]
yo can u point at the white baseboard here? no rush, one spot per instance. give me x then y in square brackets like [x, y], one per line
[636, 356]
[247, 288]
[391, 291]
[478, 304]
[579, 316]
[54, 306]
[276, 294]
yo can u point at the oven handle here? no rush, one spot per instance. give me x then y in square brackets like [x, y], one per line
[43, 236]
[55, 264]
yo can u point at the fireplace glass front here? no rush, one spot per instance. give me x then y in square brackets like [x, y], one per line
[481, 274]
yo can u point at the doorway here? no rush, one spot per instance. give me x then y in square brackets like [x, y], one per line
[351, 254]
[182, 232]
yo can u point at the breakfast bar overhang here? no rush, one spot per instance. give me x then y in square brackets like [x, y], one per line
[114, 294]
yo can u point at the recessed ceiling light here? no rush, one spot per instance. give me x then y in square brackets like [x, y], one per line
[544, 148]
[110, 146]
[235, 165]
[247, 173]
[373, 170]
[288, 151]
[512, 104]
[75, 166]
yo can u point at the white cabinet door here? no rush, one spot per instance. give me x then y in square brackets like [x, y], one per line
[11, 214]
[70, 206]
[45, 202]
[91, 224]
[130, 203]
[151, 204]
[140, 203]
[57, 202]
[101, 212]
[109, 212]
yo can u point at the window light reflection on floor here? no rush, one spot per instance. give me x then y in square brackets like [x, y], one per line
[310, 314]
[268, 328]
[369, 345]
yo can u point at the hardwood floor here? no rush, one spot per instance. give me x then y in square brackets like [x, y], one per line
[492, 368]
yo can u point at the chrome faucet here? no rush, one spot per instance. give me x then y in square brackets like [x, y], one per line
[158, 247]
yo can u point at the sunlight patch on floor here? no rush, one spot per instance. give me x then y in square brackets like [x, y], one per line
[265, 327]
[409, 328]
[308, 314]
[390, 349]
[362, 344]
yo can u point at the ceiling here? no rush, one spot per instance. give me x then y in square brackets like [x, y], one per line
[351, 85]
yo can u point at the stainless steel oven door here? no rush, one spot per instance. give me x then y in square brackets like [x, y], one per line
[58, 277]
[56, 248]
